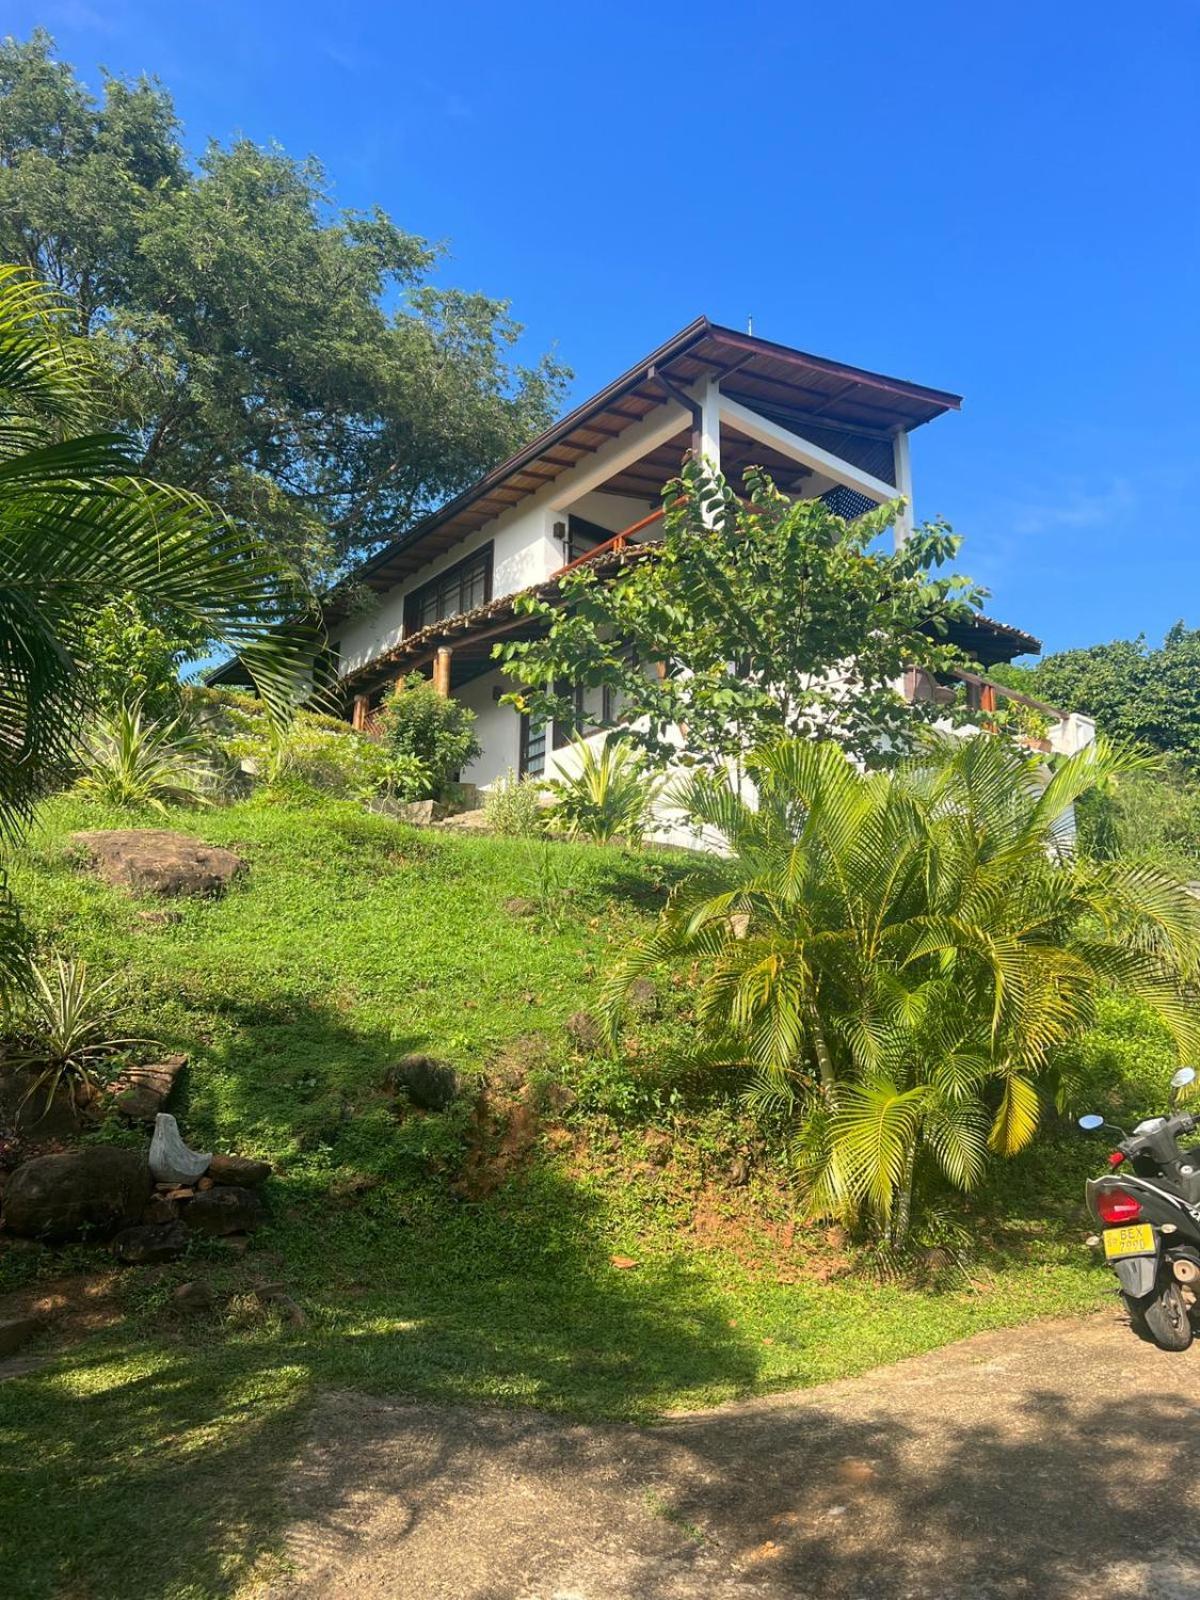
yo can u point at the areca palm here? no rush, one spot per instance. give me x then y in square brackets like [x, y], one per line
[897, 954]
[79, 527]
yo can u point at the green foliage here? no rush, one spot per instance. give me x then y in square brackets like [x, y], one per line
[1137, 693]
[772, 618]
[1151, 816]
[66, 1030]
[293, 363]
[1121, 1066]
[898, 955]
[438, 731]
[513, 806]
[607, 796]
[128, 760]
[134, 655]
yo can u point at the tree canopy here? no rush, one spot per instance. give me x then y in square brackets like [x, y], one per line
[1137, 692]
[293, 362]
[769, 617]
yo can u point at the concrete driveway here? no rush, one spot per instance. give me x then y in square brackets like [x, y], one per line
[1056, 1461]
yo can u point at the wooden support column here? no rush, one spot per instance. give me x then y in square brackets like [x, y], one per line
[441, 670]
[361, 712]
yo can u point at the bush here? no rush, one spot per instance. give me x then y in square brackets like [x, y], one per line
[609, 796]
[131, 761]
[438, 731]
[314, 754]
[132, 655]
[513, 806]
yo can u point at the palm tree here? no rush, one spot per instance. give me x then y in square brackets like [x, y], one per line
[608, 796]
[897, 954]
[78, 528]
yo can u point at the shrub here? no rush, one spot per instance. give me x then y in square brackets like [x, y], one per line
[68, 1026]
[130, 761]
[513, 806]
[610, 794]
[133, 655]
[437, 730]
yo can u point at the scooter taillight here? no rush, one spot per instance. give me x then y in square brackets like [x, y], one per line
[1115, 1157]
[1115, 1206]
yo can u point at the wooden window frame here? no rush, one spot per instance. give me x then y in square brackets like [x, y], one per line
[414, 599]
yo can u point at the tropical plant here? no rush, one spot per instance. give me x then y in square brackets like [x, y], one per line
[438, 730]
[769, 617]
[131, 761]
[513, 806]
[69, 1021]
[79, 529]
[897, 955]
[607, 795]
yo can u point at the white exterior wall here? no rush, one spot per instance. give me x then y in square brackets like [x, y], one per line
[497, 727]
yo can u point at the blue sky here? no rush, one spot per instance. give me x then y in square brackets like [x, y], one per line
[997, 200]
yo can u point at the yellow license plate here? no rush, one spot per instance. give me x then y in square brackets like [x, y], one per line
[1137, 1240]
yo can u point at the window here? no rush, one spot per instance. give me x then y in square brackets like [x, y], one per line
[460, 588]
[532, 759]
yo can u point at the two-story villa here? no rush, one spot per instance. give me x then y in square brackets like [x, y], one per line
[590, 488]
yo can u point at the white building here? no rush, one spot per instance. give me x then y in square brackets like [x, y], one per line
[590, 489]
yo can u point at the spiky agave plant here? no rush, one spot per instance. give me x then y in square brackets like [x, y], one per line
[608, 796]
[897, 954]
[129, 760]
[70, 1020]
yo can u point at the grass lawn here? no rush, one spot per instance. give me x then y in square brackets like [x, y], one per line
[148, 1459]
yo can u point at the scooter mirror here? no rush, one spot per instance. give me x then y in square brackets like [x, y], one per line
[1091, 1122]
[1184, 1076]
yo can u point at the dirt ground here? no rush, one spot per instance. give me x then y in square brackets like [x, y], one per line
[1057, 1461]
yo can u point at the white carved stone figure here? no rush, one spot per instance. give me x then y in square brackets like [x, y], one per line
[171, 1161]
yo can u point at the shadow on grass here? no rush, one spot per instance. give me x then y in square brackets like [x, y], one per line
[156, 1461]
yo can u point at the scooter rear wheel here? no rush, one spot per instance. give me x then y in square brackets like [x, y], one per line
[1161, 1319]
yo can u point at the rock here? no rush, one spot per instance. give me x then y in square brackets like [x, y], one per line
[642, 997]
[17, 1331]
[585, 1032]
[27, 1110]
[224, 1210]
[58, 1197]
[157, 861]
[417, 813]
[431, 1084]
[172, 1161]
[160, 1208]
[658, 1147]
[274, 1295]
[140, 1093]
[194, 1296]
[518, 906]
[241, 1171]
[158, 1241]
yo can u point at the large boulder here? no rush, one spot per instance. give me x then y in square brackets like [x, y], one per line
[157, 861]
[223, 1210]
[239, 1172]
[94, 1191]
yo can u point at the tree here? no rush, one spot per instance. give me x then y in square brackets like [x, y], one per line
[293, 363]
[897, 955]
[79, 529]
[770, 617]
[1136, 692]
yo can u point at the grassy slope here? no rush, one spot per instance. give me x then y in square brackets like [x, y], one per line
[351, 941]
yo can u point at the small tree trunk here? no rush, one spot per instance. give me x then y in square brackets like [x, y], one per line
[902, 1210]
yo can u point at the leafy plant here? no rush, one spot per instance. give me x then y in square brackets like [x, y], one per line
[435, 729]
[770, 617]
[130, 761]
[70, 1018]
[135, 653]
[608, 796]
[513, 806]
[898, 955]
